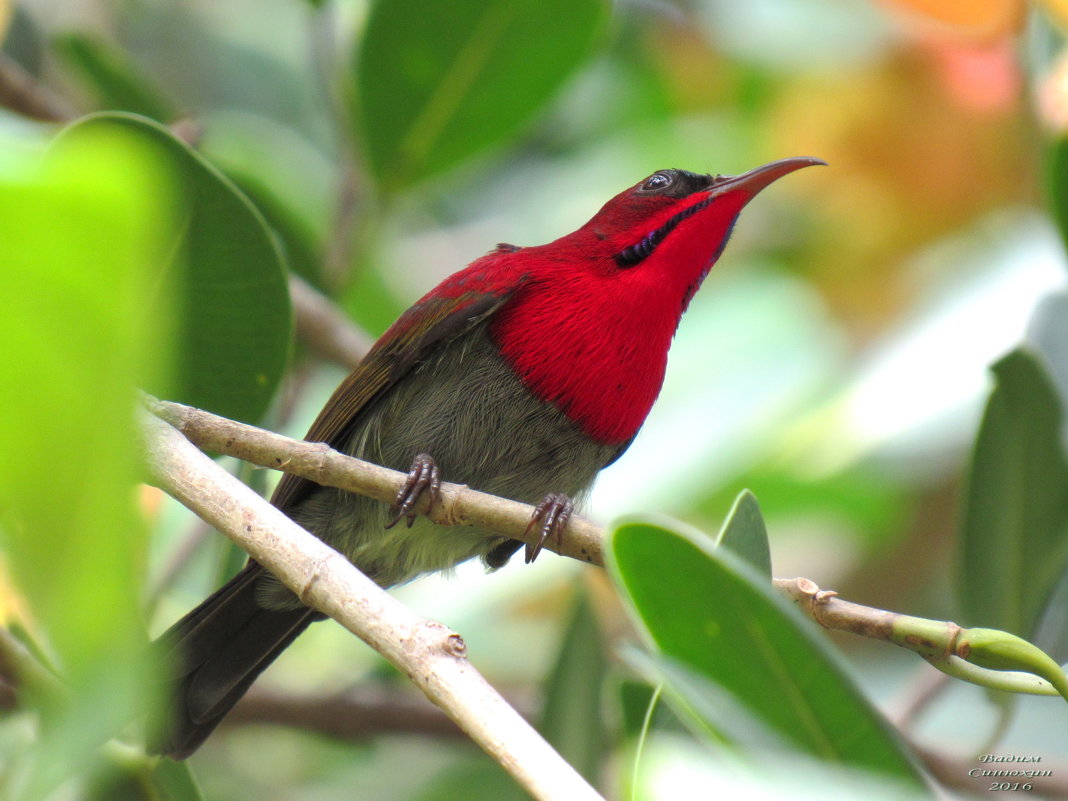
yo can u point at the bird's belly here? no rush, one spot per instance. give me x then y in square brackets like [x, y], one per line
[471, 413]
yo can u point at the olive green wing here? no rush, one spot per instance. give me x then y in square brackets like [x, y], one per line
[416, 334]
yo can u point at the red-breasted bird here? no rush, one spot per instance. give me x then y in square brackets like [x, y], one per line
[522, 375]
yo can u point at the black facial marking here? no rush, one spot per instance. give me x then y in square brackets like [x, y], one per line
[674, 184]
[634, 254]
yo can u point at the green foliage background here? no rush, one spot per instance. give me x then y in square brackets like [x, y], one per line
[835, 364]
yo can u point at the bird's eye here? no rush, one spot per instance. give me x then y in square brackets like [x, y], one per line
[656, 182]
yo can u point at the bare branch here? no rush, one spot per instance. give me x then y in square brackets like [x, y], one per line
[22, 93]
[358, 714]
[431, 655]
[457, 505]
[943, 644]
[324, 327]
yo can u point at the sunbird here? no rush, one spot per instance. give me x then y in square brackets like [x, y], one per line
[523, 375]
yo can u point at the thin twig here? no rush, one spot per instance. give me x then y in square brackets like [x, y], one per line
[457, 504]
[358, 714]
[925, 687]
[942, 643]
[324, 327]
[427, 652]
[22, 93]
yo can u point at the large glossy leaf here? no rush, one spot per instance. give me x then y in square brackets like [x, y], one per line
[440, 82]
[223, 268]
[708, 610]
[1014, 538]
[77, 236]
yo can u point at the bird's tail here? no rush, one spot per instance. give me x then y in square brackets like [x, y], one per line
[215, 653]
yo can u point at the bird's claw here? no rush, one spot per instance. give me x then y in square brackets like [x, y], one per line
[423, 476]
[553, 514]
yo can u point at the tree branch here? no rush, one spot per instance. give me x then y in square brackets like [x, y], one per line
[457, 505]
[431, 655]
[355, 715]
[22, 93]
[324, 327]
[942, 643]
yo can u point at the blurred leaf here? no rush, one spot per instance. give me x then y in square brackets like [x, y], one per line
[572, 717]
[709, 611]
[477, 776]
[174, 782]
[82, 235]
[635, 697]
[23, 40]
[745, 534]
[1014, 537]
[438, 83]
[203, 66]
[1056, 169]
[6, 13]
[116, 82]
[1048, 331]
[234, 321]
[134, 777]
[861, 498]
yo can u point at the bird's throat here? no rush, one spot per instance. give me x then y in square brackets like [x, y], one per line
[570, 350]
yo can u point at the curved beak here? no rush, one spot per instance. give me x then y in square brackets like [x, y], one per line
[760, 177]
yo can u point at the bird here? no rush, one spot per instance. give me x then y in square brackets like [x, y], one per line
[523, 375]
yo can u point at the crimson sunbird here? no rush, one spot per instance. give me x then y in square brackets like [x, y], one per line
[522, 375]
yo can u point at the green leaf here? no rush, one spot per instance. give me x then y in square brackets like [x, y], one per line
[745, 534]
[1048, 331]
[174, 782]
[438, 83]
[706, 704]
[711, 612]
[136, 777]
[1014, 539]
[636, 700]
[81, 234]
[572, 717]
[1057, 183]
[234, 318]
[117, 83]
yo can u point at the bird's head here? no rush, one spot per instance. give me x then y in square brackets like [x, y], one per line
[675, 223]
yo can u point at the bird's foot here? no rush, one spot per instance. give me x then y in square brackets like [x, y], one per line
[423, 476]
[552, 514]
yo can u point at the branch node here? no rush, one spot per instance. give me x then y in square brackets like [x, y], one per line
[952, 648]
[807, 586]
[322, 453]
[455, 646]
[315, 574]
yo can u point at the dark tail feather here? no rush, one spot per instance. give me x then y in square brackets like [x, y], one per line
[216, 652]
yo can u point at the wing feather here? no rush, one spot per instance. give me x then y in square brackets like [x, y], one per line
[416, 334]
